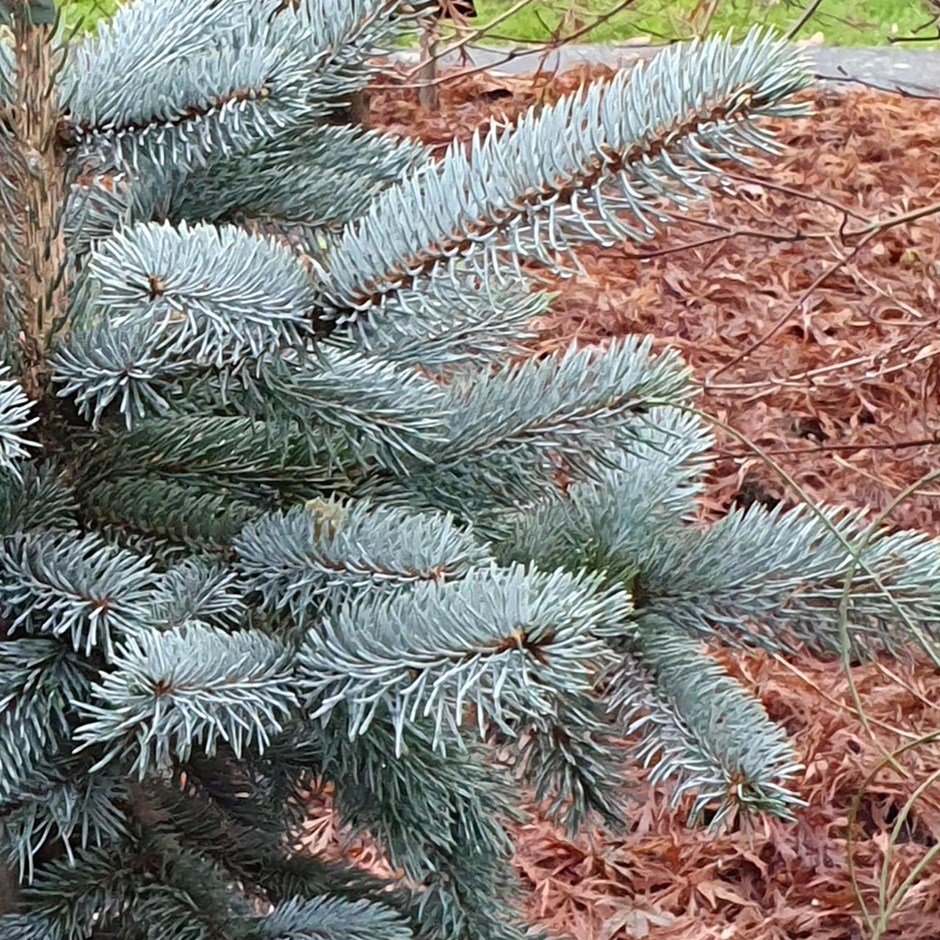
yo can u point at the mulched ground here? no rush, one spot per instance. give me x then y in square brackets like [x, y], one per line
[820, 347]
[845, 377]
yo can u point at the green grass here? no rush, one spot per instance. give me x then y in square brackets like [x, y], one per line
[83, 14]
[842, 22]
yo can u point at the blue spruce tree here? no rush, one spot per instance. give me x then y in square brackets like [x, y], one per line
[278, 497]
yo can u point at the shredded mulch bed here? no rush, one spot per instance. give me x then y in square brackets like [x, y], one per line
[815, 338]
[842, 389]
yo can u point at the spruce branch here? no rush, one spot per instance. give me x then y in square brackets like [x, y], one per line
[18, 926]
[297, 559]
[440, 326]
[509, 430]
[178, 510]
[217, 290]
[613, 520]
[312, 182]
[195, 895]
[38, 680]
[458, 901]
[767, 578]
[133, 367]
[384, 411]
[16, 417]
[573, 766]
[534, 190]
[97, 887]
[86, 811]
[145, 368]
[333, 919]
[700, 727]
[569, 402]
[7, 69]
[758, 577]
[424, 809]
[77, 587]
[106, 886]
[239, 449]
[196, 589]
[253, 805]
[99, 205]
[310, 523]
[224, 812]
[30, 754]
[36, 497]
[304, 876]
[172, 82]
[510, 644]
[192, 687]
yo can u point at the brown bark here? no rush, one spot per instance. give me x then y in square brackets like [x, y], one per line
[33, 237]
[428, 92]
[39, 175]
[359, 110]
[9, 890]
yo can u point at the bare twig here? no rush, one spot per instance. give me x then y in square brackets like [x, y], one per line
[542, 49]
[784, 319]
[471, 36]
[934, 21]
[932, 441]
[864, 236]
[599, 21]
[805, 17]
[844, 78]
[705, 22]
[798, 193]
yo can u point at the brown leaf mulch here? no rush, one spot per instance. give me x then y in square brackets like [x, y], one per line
[772, 881]
[823, 353]
[843, 389]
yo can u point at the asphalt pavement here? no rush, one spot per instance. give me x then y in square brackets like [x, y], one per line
[898, 68]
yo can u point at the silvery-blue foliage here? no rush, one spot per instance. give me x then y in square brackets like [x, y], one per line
[290, 514]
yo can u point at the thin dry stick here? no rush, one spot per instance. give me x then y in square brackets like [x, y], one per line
[807, 15]
[845, 78]
[865, 235]
[598, 21]
[706, 19]
[725, 234]
[543, 50]
[859, 565]
[832, 700]
[808, 378]
[889, 485]
[471, 36]
[465, 73]
[889, 760]
[796, 193]
[882, 668]
[782, 321]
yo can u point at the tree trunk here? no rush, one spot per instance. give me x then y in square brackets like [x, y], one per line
[9, 890]
[33, 243]
[38, 175]
[359, 108]
[428, 92]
